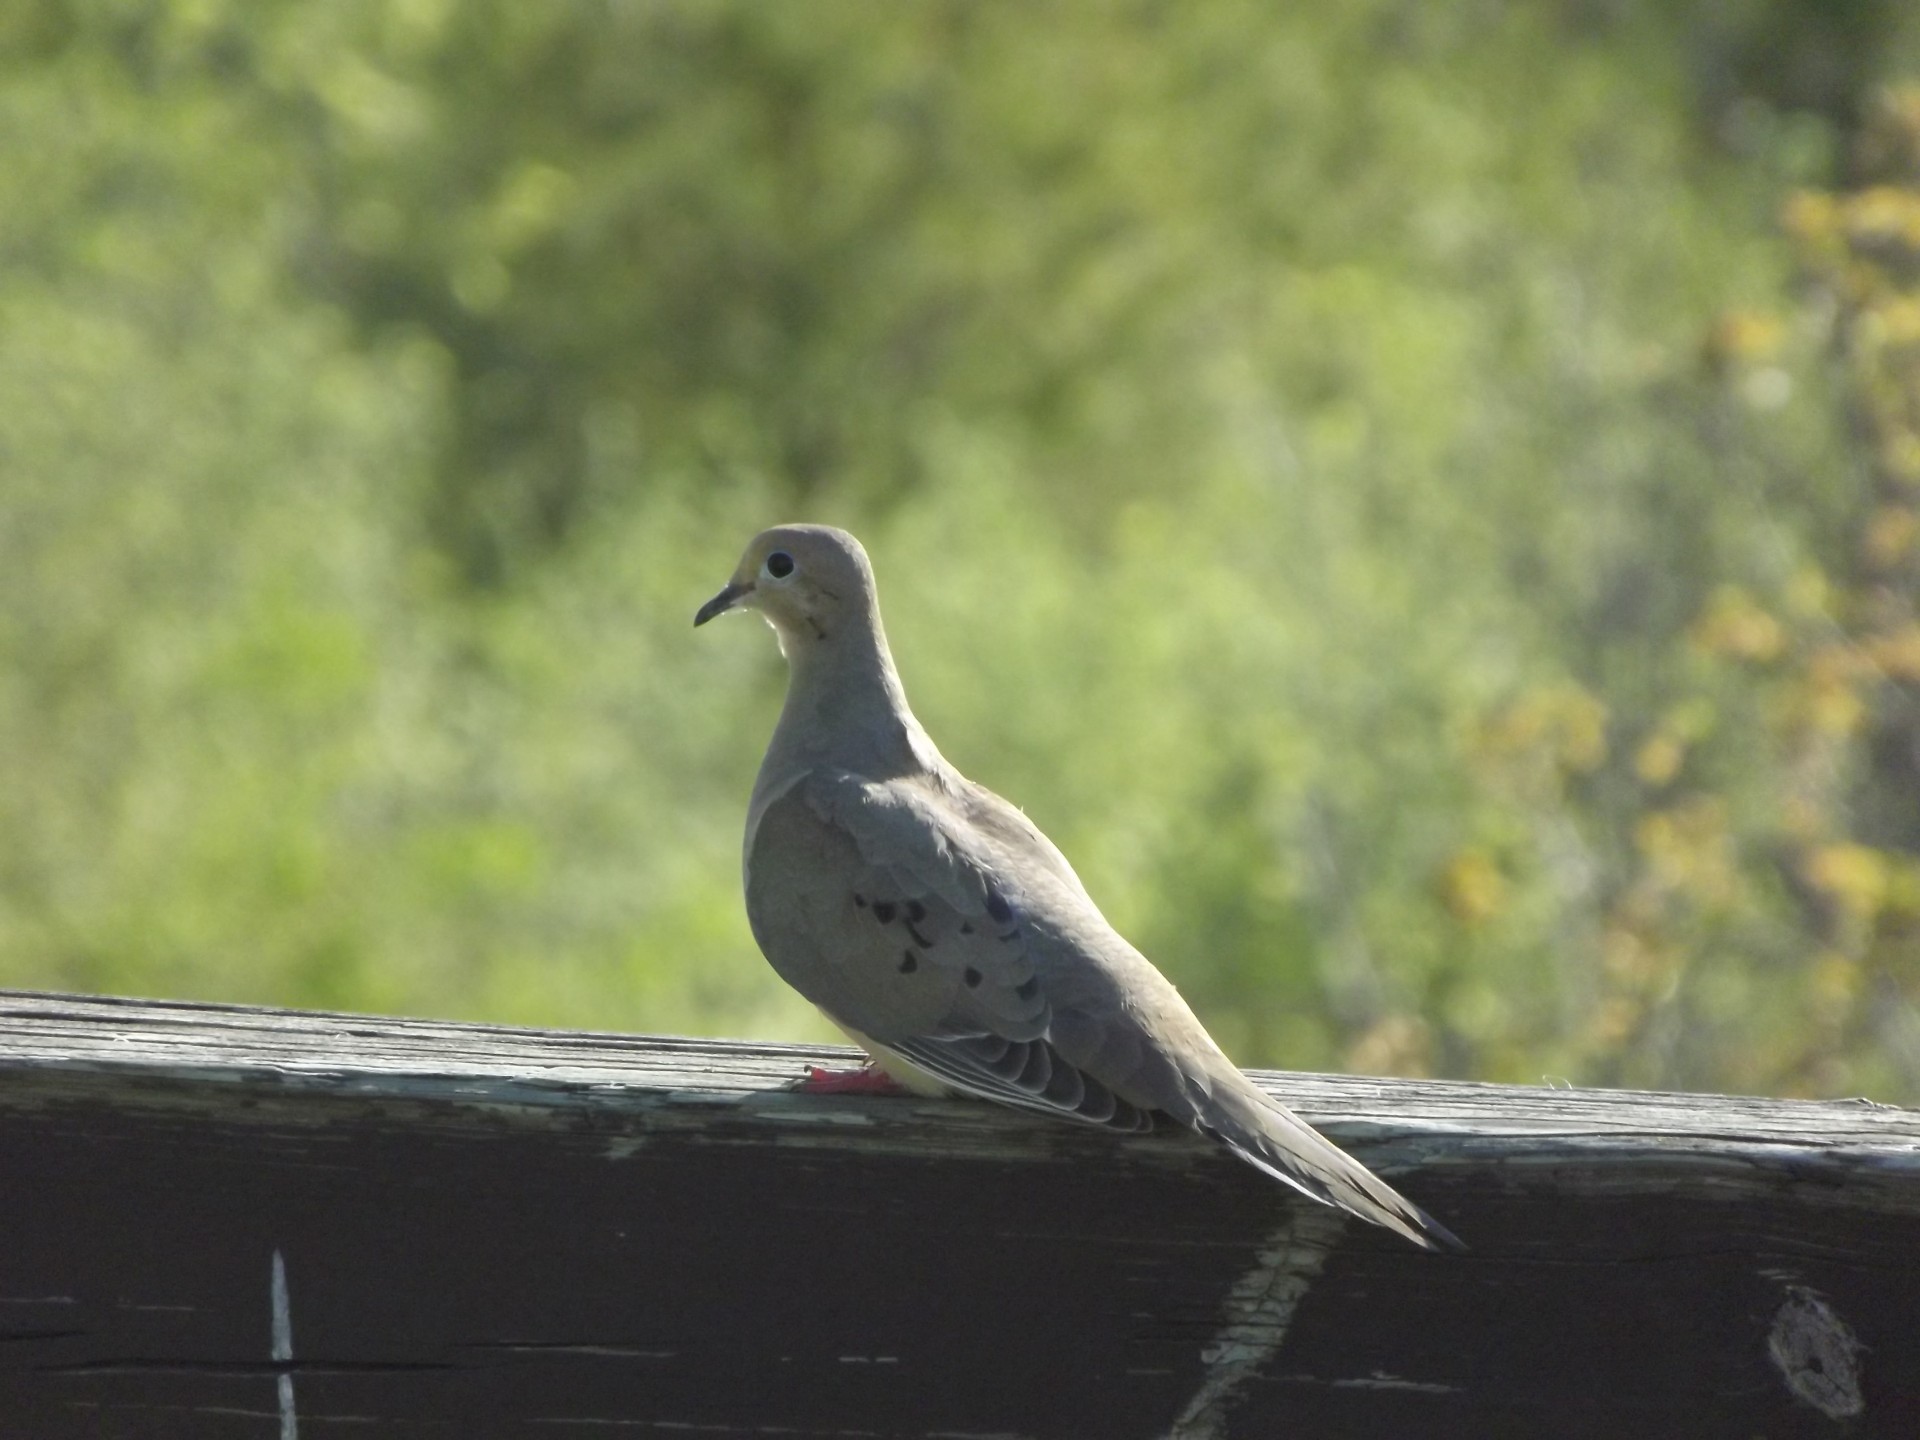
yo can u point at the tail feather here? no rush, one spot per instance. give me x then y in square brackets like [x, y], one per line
[1271, 1138]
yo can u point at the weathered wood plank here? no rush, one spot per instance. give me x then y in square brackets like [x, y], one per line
[489, 1231]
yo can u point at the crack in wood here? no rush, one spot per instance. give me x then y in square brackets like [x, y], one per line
[238, 1369]
[568, 1347]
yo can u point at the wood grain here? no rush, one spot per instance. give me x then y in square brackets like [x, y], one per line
[490, 1231]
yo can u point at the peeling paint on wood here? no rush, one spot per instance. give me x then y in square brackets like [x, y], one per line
[489, 1231]
[1817, 1353]
[283, 1347]
[1259, 1311]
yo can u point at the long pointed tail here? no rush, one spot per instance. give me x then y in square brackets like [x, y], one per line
[1270, 1137]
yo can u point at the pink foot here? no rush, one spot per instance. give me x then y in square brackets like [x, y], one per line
[868, 1079]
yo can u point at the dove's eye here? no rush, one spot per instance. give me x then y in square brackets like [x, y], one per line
[779, 565]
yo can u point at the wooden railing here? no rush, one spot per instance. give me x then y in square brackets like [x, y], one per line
[225, 1222]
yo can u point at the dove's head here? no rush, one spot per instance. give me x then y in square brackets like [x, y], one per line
[810, 581]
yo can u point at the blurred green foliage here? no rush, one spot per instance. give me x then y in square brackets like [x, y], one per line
[1379, 482]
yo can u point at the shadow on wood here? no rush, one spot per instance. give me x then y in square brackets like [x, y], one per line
[225, 1222]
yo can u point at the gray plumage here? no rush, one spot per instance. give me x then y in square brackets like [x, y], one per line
[933, 922]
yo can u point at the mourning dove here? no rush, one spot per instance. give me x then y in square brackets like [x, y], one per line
[933, 922]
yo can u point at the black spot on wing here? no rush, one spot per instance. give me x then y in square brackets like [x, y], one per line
[998, 908]
[909, 962]
[885, 910]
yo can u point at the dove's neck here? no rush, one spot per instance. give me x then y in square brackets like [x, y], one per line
[845, 710]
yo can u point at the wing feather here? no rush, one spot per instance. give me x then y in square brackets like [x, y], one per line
[1028, 1074]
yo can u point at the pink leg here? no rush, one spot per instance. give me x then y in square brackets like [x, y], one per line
[868, 1079]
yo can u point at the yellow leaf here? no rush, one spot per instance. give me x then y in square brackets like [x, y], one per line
[1898, 654]
[1889, 535]
[1744, 337]
[1473, 888]
[1658, 760]
[1854, 876]
[1834, 980]
[1735, 625]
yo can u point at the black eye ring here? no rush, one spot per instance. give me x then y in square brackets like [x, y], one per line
[779, 564]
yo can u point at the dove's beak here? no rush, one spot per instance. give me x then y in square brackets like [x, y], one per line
[724, 601]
